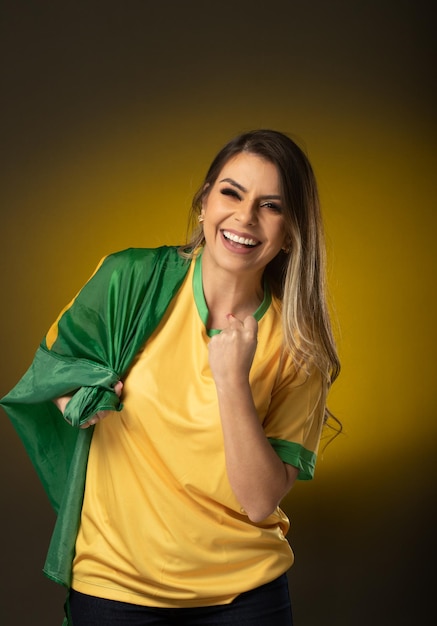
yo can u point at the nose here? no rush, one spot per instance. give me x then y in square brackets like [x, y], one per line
[246, 213]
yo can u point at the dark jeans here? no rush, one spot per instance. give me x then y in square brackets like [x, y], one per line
[268, 605]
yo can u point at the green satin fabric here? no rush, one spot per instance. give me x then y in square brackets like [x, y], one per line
[98, 337]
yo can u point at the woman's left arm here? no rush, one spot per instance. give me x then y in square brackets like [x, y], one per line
[258, 477]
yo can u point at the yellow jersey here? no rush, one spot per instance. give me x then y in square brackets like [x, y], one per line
[160, 525]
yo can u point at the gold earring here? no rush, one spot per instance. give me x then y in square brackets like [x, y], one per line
[200, 218]
[286, 249]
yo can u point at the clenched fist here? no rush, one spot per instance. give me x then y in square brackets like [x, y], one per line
[231, 352]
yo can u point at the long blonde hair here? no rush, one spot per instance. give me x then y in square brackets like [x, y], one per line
[296, 277]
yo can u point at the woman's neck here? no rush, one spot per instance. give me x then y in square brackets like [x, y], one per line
[225, 292]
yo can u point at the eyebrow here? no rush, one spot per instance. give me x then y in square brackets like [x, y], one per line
[234, 184]
[244, 190]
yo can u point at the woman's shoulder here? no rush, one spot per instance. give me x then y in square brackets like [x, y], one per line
[132, 255]
[142, 260]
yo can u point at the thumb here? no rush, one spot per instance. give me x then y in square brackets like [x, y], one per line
[118, 388]
[250, 324]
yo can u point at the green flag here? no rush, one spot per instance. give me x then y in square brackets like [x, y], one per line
[88, 349]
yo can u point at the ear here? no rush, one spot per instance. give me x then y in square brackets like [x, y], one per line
[205, 193]
[286, 248]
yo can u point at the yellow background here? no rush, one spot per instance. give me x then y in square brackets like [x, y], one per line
[111, 113]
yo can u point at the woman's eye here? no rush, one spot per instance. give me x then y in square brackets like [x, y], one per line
[272, 206]
[230, 192]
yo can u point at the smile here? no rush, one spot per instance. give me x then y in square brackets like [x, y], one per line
[240, 240]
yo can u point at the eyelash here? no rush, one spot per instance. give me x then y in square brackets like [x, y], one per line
[230, 192]
[272, 206]
[266, 204]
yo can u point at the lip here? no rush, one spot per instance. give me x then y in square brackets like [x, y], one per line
[239, 247]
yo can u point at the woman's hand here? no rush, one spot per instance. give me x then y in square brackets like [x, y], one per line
[231, 352]
[100, 415]
[62, 402]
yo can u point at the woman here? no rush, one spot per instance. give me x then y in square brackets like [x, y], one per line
[222, 353]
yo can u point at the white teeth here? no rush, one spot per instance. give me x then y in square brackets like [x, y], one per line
[237, 239]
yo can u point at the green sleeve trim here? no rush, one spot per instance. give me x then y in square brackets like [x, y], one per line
[296, 455]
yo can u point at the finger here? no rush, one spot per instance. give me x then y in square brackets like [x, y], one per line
[233, 321]
[250, 324]
[118, 388]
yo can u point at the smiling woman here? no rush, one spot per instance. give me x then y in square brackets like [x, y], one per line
[296, 273]
[193, 383]
[242, 232]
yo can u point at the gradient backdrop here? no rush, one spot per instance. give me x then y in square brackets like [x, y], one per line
[111, 113]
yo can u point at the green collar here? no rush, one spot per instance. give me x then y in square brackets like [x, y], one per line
[202, 308]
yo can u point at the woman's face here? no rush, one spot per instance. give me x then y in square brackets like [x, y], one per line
[243, 225]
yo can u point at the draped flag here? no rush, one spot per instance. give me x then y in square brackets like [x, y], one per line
[86, 351]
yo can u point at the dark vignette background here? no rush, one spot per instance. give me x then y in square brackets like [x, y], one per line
[110, 113]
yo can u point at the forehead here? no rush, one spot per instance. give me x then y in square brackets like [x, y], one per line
[251, 171]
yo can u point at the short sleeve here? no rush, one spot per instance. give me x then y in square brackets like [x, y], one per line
[294, 421]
